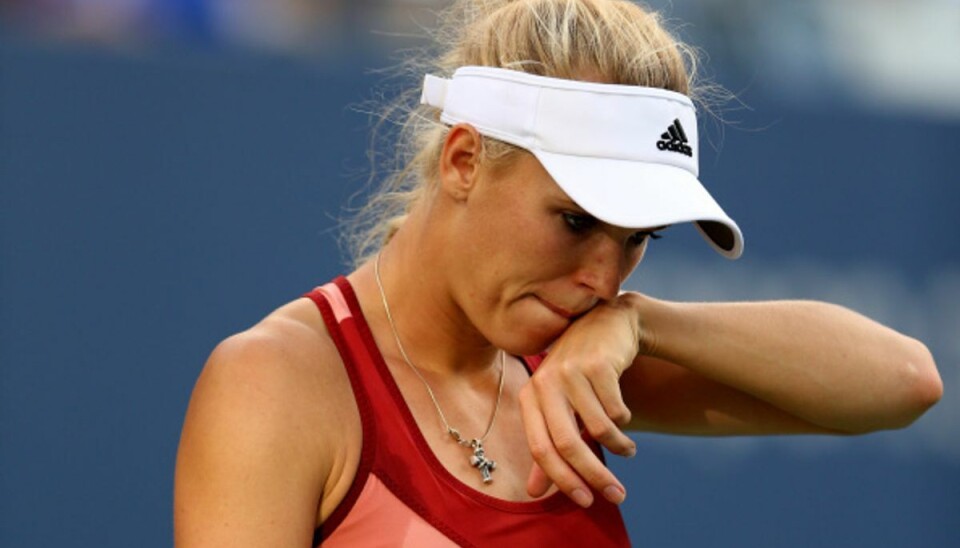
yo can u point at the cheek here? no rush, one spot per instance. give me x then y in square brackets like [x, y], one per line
[521, 245]
[633, 261]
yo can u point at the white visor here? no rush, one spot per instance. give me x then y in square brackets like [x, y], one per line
[628, 155]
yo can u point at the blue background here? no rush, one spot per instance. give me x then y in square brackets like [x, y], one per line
[156, 201]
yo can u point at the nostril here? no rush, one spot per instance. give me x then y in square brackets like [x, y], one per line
[603, 280]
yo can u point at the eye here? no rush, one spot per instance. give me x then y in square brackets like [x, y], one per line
[579, 223]
[637, 238]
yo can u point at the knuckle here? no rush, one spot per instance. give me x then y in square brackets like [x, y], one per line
[539, 451]
[538, 382]
[601, 430]
[621, 416]
[567, 445]
[594, 367]
[569, 367]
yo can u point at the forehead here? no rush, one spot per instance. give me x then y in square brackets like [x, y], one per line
[540, 184]
[528, 170]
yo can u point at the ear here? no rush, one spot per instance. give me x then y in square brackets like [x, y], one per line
[460, 161]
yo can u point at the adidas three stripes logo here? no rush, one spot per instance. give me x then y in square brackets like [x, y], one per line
[675, 139]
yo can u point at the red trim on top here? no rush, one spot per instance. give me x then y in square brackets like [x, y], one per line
[368, 448]
[533, 362]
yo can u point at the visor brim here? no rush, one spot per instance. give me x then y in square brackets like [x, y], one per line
[633, 194]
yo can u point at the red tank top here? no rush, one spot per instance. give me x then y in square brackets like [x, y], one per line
[403, 496]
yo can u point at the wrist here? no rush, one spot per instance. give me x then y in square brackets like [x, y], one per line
[641, 312]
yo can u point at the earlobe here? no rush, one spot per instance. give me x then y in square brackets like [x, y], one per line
[460, 161]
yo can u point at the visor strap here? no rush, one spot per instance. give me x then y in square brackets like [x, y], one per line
[434, 91]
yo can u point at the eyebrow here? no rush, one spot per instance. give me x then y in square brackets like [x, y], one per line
[580, 211]
[566, 201]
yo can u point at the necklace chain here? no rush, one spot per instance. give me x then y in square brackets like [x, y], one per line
[454, 433]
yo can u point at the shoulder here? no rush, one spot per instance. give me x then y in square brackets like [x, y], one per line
[271, 417]
[286, 363]
[286, 349]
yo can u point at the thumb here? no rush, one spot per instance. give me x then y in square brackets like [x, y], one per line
[537, 482]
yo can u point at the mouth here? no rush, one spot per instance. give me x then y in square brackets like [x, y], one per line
[562, 312]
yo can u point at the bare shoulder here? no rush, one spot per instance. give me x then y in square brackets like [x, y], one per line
[289, 354]
[267, 435]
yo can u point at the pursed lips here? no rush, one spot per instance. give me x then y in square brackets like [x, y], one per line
[557, 310]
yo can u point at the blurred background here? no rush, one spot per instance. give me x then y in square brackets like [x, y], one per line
[172, 170]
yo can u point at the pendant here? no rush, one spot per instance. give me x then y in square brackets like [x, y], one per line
[480, 461]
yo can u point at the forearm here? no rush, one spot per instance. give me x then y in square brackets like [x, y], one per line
[819, 362]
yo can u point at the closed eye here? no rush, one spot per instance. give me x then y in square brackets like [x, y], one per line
[637, 238]
[579, 223]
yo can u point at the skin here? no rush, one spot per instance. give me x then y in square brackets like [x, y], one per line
[272, 436]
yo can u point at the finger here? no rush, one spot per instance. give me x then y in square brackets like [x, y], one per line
[574, 450]
[538, 481]
[604, 387]
[593, 414]
[547, 460]
[607, 388]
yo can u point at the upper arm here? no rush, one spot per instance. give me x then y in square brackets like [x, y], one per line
[668, 398]
[247, 473]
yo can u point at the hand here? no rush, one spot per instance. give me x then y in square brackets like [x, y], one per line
[578, 383]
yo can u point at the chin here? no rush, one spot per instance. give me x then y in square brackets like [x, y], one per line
[529, 329]
[529, 341]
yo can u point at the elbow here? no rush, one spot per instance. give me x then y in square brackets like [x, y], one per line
[926, 389]
[920, 386]
[914, 388]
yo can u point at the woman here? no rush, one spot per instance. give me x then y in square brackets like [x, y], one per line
[410, 403]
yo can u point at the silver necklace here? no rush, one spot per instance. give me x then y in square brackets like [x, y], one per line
[478, 460]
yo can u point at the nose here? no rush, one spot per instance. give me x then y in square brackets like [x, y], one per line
[604, 267]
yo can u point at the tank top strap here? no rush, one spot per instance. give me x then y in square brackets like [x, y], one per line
[343, 318]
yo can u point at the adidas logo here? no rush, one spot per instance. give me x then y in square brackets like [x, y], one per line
[675, 139]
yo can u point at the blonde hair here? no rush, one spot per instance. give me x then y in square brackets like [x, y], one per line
[613, 41]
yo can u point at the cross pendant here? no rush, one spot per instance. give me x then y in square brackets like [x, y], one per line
[481, 462]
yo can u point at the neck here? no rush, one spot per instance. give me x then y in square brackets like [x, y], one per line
[434, 331]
